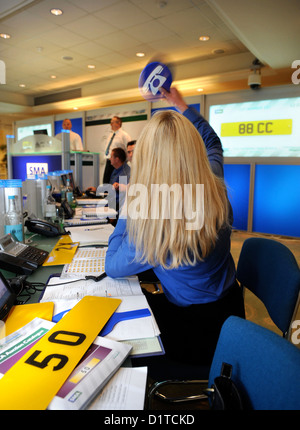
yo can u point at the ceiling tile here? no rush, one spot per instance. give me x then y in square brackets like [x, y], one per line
[8, 7]
[70, 11]
[90, 49]
[63, 37]
[147, 49]
[123, 15]
[21, 26]
[185, 20]
[157, 9]
[93, 5]
[90, 27]
[150, 31]
[117, 41]
[114, 59]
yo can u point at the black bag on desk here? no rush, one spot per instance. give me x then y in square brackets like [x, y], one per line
[224, 393]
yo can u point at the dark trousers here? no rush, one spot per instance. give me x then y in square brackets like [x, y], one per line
[107, 172]
[190, 334]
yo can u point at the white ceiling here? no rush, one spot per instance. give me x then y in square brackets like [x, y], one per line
[109, 33]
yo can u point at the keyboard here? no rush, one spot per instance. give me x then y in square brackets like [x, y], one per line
[34, 255]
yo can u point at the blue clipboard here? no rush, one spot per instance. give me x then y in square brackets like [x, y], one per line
[114, 319]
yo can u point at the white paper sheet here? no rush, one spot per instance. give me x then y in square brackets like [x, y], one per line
[66, 295]
[91, 234]
[59, 288]
[125, 391]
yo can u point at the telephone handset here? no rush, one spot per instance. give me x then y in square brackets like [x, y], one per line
[154, 81]
[45, 228]
[20, 258]
[91, 194]
[68, 211]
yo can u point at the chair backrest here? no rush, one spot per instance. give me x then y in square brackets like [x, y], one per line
[266, 367]
[269, 269]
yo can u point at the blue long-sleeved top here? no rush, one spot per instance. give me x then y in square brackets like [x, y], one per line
[205, 282]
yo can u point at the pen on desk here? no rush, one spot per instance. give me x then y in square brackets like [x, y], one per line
[90, 229]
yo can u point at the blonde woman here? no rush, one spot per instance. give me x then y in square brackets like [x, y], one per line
[178, 224]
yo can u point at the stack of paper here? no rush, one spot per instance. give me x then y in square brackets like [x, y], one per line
[76, 222]
[98, 211]
[142, 334]
[94, 202]
[86, 261]
[97, 234]
[95, 212]
[95, 369]
[124, 391]
[98, 365]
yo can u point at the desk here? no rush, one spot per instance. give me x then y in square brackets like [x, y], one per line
[41, 274]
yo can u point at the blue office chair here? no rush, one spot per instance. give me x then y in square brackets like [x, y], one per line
[269, 269]
[265, 367]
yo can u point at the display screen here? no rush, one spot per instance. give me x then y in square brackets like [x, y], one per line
[266, 128]
[3, 291]
[6, 298]
[5, 241]
[29, 130]
[42, 131]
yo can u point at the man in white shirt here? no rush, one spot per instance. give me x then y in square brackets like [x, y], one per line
[118, 138]
[75, 139]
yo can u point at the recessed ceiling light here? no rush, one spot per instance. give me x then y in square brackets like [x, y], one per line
[140, 54]
[56, 11]
[75, 108]
[91, 66]
[218, 51]
[204, 38]
[5, 35]
[53, 76]
[199, 89]
[22, 85]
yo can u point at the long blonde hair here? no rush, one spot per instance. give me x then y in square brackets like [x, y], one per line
[171, 151]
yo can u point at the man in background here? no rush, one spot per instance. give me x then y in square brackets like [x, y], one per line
[121, 168]
[75, 139]
[118, 138]
[130, 149]
[118, 180]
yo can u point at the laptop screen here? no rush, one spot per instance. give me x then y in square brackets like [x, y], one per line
[7, 297]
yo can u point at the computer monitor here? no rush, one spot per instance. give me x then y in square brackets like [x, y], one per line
[43, 131]
[68, 175]
[7, 297]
